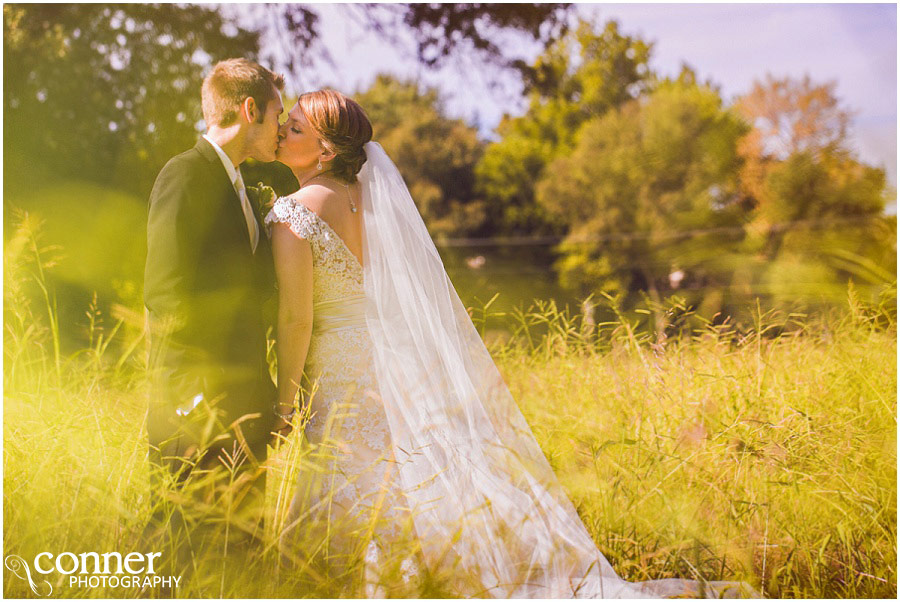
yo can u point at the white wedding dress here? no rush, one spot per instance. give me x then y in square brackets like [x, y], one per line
[347, 421]
[421, 424]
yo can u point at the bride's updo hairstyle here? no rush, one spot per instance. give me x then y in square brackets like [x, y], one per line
[342, 127]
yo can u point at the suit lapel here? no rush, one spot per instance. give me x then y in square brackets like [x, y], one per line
[231, 201]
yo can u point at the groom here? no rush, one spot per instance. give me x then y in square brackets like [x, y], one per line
[208, 273]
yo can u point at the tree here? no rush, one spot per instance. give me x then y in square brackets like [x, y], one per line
[791, 116]
[564, 92]
[818, 219]
[435, 154]
[649, 190]
[440, 30]
[106, 92]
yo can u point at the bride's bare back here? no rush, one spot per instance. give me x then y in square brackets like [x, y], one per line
[333, 202]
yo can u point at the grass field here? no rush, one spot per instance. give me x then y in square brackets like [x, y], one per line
[765, 454]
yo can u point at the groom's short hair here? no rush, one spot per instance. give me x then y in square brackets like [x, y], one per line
[229, 83]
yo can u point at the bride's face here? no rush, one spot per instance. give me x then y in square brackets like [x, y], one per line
[298, 145]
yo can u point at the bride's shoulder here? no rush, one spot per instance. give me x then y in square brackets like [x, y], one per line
[312, 198]
[289, 204]
[291, 211]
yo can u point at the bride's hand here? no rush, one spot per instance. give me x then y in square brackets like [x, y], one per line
[283, 420]
[282, 427]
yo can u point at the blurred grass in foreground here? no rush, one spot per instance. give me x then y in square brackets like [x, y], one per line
[765, 454]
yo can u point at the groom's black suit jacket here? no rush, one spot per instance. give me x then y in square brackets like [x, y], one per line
[205, 291]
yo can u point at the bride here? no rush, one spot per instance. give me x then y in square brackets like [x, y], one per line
[416, 417]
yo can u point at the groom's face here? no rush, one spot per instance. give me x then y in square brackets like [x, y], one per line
[262, 137]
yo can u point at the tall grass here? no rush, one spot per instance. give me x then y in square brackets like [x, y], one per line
[765, 453]
[771, 451]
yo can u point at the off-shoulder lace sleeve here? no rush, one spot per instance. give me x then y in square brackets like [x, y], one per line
[287, 211]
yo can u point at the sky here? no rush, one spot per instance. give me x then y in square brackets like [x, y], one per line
[732, 45]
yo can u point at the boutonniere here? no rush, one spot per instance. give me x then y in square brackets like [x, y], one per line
[262, 197]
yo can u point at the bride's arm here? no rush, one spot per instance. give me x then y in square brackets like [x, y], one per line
[294, 270]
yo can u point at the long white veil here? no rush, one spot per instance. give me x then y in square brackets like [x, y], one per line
[474, 474]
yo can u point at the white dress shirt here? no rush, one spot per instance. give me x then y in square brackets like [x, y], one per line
[234, 174]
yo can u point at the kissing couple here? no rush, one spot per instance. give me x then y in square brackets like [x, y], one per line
[374, 349]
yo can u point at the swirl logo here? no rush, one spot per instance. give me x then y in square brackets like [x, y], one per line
[18, 566]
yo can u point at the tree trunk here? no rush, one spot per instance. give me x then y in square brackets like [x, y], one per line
[659, 319]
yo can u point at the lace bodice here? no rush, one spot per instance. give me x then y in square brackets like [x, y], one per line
[336, 271]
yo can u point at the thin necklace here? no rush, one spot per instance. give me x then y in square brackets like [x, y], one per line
[346, 187]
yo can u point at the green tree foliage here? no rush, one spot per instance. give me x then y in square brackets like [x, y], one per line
[582, 76]
[435, 154]
[650, 189]
[819, 215]
[441, 29]
[107, 92]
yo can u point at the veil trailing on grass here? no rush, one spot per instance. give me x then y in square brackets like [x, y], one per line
[484, 498]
